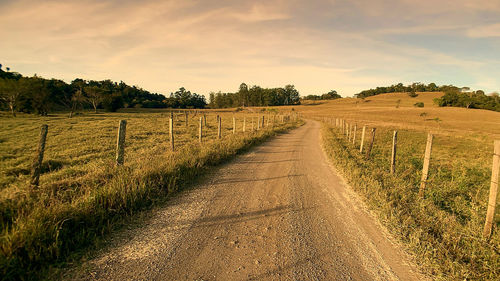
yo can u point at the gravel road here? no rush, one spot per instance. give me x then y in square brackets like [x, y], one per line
[278, 212]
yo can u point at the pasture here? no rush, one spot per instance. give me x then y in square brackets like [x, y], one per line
[82, 193]
[444, 228]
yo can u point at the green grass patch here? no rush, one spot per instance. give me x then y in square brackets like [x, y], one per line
[83, 195]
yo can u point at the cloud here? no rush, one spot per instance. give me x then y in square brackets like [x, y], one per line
[215, 45]
[484, 31]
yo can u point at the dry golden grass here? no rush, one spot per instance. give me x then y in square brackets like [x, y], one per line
[381, 110]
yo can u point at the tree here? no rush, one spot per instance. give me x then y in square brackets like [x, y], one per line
[292, 95]
[41, 99]
[112, 102]
[10, 91]
[94, 96]
[331, 95]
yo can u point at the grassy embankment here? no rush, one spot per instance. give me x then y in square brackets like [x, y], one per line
[444, 229]
[82, 194]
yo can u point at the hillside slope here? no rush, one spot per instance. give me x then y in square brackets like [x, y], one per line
[383, 110]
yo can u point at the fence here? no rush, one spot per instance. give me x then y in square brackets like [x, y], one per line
[264, 122]
[344, 128]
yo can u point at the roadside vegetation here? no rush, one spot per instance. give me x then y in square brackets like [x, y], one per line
[82, 194]
[444, 229]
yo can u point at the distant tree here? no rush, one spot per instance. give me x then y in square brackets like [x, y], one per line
[331, 95]
[10, 91]
[112, 102]
[94, 96]
[412, 94]
[73, 95]
[41, 97]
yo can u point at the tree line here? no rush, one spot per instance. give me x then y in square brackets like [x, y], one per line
[331, 95]
[41, 96]
[453, 95]
[411, 89]
[469, 99]
[255, 96]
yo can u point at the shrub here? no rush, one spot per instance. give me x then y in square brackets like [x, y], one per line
[419, 104]
[412, 94]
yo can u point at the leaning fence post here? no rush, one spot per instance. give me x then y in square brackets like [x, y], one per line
[362, 139]
[370, 146]
[393, 155]
[490, 214]
[201, 129]
[425, 169]
[219, 129]
[36, 167]
[120, 143]
[171, 131]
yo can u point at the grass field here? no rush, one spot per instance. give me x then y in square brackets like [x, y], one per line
[381, 110]
[82, 194]
[444, 230]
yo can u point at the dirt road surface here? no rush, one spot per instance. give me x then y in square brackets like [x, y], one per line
[278, 212]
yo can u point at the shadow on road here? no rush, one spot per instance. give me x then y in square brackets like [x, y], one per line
[255, 180]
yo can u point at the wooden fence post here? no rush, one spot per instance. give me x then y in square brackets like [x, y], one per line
[393, 155]
[268, 118]
[252, 122]
[362, 139]
[263, 118]
[234, 125]
[171, 131]
[490, 214]
[219, 129]
[201, 129]
[186, 118]
[120, 143]
[370, 146]
[244, 123]
[36, 167]
[425, 169]
[204, 119]
[354, 135]
[258, 123]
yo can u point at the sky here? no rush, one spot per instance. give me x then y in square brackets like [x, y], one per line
[207, 45]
